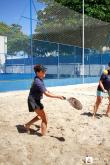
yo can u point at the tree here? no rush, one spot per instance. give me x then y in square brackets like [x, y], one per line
[99, 9]
[59, 23]
[16, 40]
[16, 27]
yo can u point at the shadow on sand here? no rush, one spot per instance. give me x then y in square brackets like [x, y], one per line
[22, 129]
[89, 114]
[62, 139]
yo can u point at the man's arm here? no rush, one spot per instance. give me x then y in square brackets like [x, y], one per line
[101, 85]
[49, 94]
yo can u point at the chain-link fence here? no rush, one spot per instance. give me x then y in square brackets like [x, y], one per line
[55, 39]
[61, 60]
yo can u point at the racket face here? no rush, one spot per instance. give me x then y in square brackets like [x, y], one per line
[75, 103]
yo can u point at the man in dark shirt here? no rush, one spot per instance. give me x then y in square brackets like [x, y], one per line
[103, 87]
[34, 99]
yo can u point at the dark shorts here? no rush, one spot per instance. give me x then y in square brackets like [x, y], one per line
[34, 104]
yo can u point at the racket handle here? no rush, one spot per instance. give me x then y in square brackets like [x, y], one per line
[64, 98]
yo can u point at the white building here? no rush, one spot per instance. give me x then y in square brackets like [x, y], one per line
[3, 52]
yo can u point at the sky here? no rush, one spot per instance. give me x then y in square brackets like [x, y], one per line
[14, 11]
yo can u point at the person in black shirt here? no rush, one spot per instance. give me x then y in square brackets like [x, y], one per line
[34, 99]
[103, 87]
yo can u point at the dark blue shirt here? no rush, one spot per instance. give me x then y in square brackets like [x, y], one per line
[105, 79]
[37, 88]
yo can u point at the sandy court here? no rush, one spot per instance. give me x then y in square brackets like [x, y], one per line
[71, 134]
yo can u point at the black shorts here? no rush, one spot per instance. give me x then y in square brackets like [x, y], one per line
[34, 104]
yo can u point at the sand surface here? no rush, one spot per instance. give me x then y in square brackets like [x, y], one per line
[71, 134]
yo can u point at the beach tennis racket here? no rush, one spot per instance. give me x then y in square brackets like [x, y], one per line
[74, 103]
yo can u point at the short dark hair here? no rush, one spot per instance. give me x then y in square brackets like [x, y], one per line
[39, 67]
[109, 64]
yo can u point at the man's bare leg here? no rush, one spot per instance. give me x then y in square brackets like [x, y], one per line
[96, 106]
[95, 110]
[43, 128]
[43, 116]
[108, 109]
[27, 125]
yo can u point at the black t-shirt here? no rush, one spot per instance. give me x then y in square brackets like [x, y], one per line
[105, 79]
[37, 88]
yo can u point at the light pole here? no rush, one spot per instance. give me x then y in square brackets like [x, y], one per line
[31, 49]
[83, 46]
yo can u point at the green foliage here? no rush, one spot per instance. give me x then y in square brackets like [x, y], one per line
[16, 40]
[99, 9]
[63, 23]
[56, 17]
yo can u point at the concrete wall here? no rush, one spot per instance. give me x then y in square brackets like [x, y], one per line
[3, 51]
